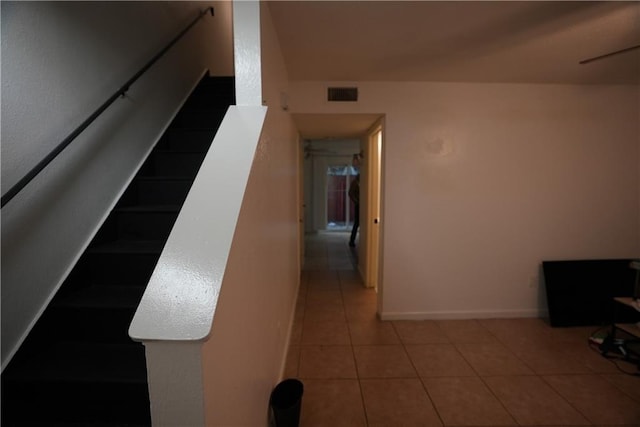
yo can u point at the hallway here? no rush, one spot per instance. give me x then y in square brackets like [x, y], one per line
[360, 371]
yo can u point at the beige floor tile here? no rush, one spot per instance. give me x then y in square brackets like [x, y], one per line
[626, 383]
[492, 359]
[352, 286]
[359, 297]
[516, 331]
[420, 332]
[322, 276]
[575, 334]
[325, 333]
[383, 361]
[332, 362]
[439, 360]
[599, 400]
[593, 359]
[302, 294]
[325, 313]
[304, 276]
[317, 298]
[564, 386]
[531, 401]
[291, 365]
[332, 403]
[324, 285]
[361, 312]
[316, 264]
[340, 265]
[316, 251]
[349, 276]
[466, 401]
[350, 280]
[372, 332]
[296, 333]
[466, 331]
[553, 357]
[298, 315]
[398, 403]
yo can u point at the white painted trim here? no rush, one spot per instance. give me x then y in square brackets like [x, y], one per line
[175, 378]
[247, 54]
[454, 315]
[180, 300]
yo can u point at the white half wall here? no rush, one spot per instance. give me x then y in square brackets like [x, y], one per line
[243, 358]
[60, 62]
[482, 182]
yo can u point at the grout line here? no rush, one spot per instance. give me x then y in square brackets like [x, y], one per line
[424, 386]
[333, 270]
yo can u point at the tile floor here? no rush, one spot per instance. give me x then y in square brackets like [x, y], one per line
[360, 371]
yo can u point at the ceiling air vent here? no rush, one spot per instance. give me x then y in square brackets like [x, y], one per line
[349, 94]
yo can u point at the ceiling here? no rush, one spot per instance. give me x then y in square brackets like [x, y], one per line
[456, 41]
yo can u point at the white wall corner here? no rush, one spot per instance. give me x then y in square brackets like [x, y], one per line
[176, 391]
[247, 57]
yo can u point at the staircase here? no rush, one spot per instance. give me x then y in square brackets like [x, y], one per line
[78, 366]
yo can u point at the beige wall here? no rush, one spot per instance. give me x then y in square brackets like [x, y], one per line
[245, 354]
[484, 181]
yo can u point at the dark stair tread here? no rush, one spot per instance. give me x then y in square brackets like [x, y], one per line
[161, 178]
[85, 362]
[102, 297]
[213, 109]
[201, 128]
[185, 133]
[149, 209]
[86, 424]
[180, 150]
[129, 247]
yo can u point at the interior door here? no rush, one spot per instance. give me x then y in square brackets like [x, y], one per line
[373, 208]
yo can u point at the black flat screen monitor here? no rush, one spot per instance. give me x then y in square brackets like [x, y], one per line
[580, 292]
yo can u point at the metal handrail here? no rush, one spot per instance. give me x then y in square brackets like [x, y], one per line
[13, 191]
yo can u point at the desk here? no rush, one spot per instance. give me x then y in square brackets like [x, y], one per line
[630, 328]
[623, 334]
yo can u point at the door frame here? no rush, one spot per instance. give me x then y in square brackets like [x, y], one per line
[371, 269]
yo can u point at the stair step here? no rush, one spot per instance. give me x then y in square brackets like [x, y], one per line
[149, 209]
[101, 297]
[156, 190]
[81, 362]
[140, 222]
[115, 262]
[118, 262]
[78, 366]
[196, 139]
[79, 381]
[129, 247]
[199, 118]
[184, 164]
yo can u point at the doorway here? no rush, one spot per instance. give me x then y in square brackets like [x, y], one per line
[330, 145]
[372, 206]
[340, 208]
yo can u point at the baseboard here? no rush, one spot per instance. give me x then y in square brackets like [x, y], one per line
[454, 315]
[283, 362]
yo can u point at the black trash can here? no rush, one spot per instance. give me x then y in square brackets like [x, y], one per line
[285, 403]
